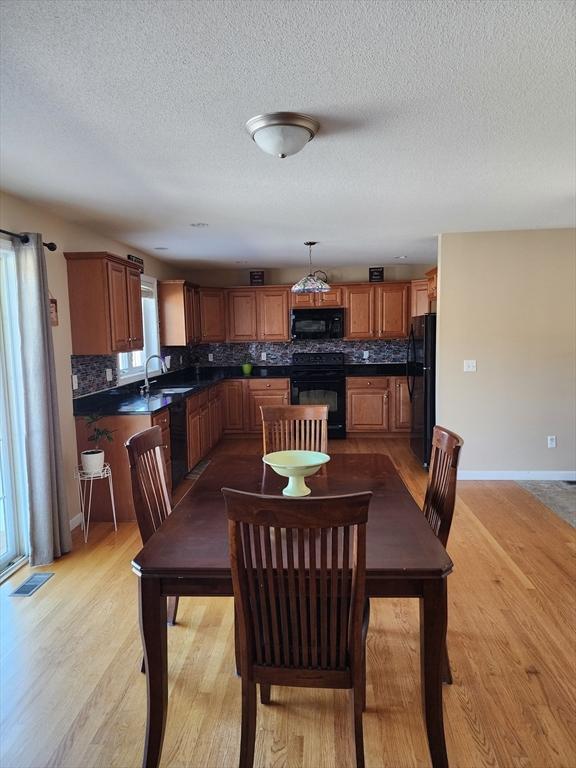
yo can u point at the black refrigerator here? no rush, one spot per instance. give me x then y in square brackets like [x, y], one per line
[421, 375]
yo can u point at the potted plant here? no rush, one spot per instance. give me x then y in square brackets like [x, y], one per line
[93, 459]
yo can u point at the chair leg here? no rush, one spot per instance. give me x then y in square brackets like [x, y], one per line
[358, 730]
[248, 737]
[265, 693]
[236, 646]
[446, 671]
[171, 609]
[143, 666]
[365, 623]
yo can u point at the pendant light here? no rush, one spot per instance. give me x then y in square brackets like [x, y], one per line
[312, 283]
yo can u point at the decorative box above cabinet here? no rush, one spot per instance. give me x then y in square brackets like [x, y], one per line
[178, 313]
[105, 303]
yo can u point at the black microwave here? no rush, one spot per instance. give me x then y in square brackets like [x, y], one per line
[317, 323]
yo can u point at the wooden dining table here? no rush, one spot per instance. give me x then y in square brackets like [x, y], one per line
[188, 555]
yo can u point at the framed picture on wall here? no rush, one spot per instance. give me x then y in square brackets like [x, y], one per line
[376, 274]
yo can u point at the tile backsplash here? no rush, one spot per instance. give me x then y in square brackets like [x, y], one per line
[91, 369]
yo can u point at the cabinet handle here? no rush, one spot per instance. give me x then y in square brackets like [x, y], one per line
[268, 386]
[369, 383]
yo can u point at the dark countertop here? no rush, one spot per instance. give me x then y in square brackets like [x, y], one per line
[126, 400]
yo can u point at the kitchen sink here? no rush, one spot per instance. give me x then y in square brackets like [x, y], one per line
[170, 390]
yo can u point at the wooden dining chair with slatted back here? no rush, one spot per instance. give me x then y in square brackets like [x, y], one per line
[149, 491]
[441, 495]
[299, 571]
[295, 427]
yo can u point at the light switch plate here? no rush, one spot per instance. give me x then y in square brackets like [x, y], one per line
[365, 354]
[167, 360]
[263, 356]
[74, 381]
[210, 357]
[108, 374]
[551, 441]
[469, 366]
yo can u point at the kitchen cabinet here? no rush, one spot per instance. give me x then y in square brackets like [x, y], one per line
[332, 298]
[242, 321]
[212, 315]
[401, 413]
[177, 313]
[162, 420]
[432, 277]
[193, 432]
[360, 315]
[233, 395]
[392, 321]
[263, 392]
[272, 314]
[419, 299]
[105, 303]
[367, 404]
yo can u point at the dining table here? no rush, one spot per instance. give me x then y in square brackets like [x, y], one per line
[188, 556]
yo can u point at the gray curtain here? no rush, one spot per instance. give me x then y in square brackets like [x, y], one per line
[49, 524]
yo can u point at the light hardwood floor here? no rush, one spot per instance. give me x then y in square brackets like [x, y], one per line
[73, 695]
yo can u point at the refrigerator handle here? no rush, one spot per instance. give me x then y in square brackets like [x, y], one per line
[409, 377]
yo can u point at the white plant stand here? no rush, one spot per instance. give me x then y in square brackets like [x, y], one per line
[85, 494]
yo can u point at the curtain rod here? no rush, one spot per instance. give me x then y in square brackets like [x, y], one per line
[26, 239]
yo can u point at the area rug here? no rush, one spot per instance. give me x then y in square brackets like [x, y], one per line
[559, 496]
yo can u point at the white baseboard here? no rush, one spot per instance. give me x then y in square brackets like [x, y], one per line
[75, 521]
[516, 474]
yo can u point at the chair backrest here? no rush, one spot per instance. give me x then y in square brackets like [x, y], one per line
[295, 427]
[299, 569]
[149, 491]
[441, 490]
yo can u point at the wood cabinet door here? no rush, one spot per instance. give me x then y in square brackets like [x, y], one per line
[119, 326]
[359, 302]
[367, 410]
[212, 314]
[233, 405]
[401, 407]
[332, 298]
[134, 295]
[194, 439]
[432, 276]
[196, 321]
[302, 300]
[273, 320]
[205, 431]
[242, 315]
[189, 314]
[258, 398]
[392, 310]
[419, 301]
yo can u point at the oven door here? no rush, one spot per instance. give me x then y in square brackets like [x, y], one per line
[323, 391]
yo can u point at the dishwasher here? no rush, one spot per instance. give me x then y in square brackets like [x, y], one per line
[178, 441]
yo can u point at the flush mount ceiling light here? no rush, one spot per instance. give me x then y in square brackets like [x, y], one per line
[312, 283]
[282, 133]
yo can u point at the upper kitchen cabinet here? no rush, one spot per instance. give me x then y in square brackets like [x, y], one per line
[242, 325]
[178, 313]
[432, 276]
[212, 314]
[360, 311]
[392, 301]
[332, 298]
[105, 303]
[272, 314]
[419, 300]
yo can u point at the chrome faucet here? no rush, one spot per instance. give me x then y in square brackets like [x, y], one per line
[145, 388]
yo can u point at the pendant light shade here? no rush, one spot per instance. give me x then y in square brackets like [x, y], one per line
[313, 282]
[282, 133]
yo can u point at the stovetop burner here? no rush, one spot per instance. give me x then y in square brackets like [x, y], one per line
[318, 359]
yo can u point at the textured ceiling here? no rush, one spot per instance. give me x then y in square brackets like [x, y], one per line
[128, 117]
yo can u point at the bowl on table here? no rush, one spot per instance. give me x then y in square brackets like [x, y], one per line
[295, 465]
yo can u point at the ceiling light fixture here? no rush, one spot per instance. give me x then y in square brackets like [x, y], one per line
[282, 133]
[199, 224]
[312, 283]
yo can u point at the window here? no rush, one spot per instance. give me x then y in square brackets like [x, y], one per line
[131, 364]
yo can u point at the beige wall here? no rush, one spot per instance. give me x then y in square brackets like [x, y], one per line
[19, 216]
[288, 276]
[508, 300]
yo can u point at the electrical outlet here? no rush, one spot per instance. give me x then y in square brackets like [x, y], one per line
[365, 354]
[469, 366]
[108, 374]
[262, 355]
[551, 441]
[74, 381]
[210, 357]
[167, 361]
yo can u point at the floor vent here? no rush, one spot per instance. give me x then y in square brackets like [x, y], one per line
[31, 584]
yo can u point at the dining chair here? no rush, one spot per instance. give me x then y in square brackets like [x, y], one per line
[298, 571]
[295, 427]
[149, 490]
[441, 496]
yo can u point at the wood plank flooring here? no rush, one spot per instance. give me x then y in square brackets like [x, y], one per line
[72, 695]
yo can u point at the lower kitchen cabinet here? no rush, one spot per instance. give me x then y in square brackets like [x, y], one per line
[377, 404]
[242, 399]
[233, 400]
[204, 419]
